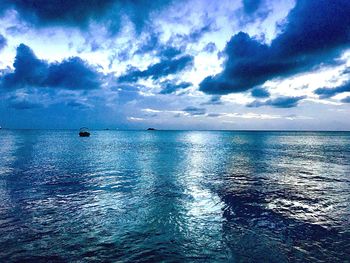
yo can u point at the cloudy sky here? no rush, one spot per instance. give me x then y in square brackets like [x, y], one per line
[175, 64]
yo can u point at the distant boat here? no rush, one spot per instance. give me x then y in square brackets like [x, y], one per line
[151, 129]
[84, 132]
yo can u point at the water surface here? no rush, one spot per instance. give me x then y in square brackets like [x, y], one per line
[138, 196]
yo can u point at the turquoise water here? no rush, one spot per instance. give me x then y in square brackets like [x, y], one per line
[138, 196]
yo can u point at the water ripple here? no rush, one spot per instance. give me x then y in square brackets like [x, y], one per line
[174, 196]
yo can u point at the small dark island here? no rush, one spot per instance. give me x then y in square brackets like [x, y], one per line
[151, 129]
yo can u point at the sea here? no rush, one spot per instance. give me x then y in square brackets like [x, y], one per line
[174, 196]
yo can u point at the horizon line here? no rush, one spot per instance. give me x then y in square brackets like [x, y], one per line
[145, 129]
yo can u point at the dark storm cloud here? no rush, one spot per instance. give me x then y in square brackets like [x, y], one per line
[169, 87]
[196, 34]
[72, 73]
[152, 44]
[168, 52]
[79, 13]
[194, 110]
[316, 31]
[3, 42]
[252, 11]
[251, 6]
[260, 93]
[164, 68]
[281, 102]
[330, 92]
[177, 43]
[159, 49]
[149, 44]
[28, 70]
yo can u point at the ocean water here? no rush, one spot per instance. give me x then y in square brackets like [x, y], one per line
[174, 196]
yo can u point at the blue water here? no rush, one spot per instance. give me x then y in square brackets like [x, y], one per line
[138, 196]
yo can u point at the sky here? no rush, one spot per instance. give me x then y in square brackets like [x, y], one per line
[175, 64]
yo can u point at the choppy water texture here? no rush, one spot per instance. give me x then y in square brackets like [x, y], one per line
[174, 196]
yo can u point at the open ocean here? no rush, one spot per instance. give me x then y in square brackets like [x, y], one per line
[174, 196]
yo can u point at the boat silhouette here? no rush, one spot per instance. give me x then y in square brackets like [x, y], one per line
[84, 132]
